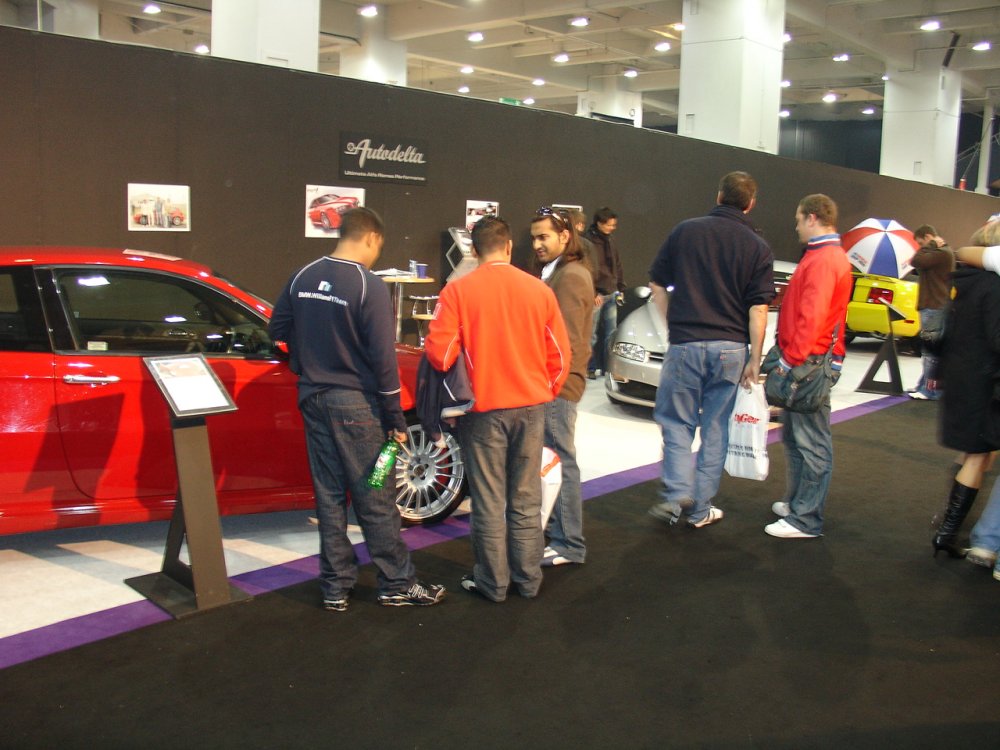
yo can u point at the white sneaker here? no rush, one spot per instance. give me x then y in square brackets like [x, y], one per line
[552, 557]
[981, 556]
[784, 530]
[714, 516]
[781, 509]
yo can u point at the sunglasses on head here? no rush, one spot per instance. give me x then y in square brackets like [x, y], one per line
[557, 215]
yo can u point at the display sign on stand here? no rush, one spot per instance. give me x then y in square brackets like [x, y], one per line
[192, 391]
[886, 354]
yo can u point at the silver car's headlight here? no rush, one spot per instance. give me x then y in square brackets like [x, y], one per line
[626, 350]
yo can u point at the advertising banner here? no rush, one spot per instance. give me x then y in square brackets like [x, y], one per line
[367, 156]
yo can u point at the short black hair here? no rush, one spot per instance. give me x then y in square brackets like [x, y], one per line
[604, 215]
[489, 234]
[924, 230]
[358, 222]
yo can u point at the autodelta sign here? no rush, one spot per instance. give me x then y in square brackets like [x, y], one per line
[366, 156]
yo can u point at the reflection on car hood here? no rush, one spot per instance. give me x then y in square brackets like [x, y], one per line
[646, 327]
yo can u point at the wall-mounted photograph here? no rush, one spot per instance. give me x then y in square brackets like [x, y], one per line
[475, 210]
[158, 208]
[326, 204]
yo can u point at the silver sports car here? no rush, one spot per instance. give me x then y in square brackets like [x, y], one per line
[635, 355]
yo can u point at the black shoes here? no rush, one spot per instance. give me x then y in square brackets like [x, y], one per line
[959, 504]
[418, 595]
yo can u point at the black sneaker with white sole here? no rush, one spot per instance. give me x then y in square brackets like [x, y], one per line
[337, 604]
[418, 595]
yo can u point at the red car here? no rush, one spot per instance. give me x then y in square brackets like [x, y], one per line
[325, 211]
[85, 435]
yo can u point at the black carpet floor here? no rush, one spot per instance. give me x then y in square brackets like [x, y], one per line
[721, 637]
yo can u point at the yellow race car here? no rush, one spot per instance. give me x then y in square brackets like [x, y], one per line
[868, 311]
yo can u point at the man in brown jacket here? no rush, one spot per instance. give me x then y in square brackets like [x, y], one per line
[566, 270]
[935, 261]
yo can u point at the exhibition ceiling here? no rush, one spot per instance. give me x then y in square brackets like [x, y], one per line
[521, 40]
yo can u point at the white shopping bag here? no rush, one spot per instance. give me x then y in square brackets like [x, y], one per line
[747, 454]
[551, 482]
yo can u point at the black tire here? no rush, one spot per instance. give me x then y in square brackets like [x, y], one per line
[430, 481]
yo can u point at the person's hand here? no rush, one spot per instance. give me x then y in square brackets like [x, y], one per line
[751, 374]
[598, 301]
[399, 437]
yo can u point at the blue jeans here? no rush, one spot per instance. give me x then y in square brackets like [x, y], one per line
[930, 320]
[503, 457]
[343, 437]
[605, 322]
[809, 457]
[565, 528]
[986, 532]
[697, 389]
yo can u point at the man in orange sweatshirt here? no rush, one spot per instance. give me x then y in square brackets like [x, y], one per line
[507, 326]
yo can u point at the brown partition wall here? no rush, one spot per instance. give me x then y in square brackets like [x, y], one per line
[80, 119]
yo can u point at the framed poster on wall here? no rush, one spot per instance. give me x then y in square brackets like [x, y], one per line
[158, 208]
[325, 205]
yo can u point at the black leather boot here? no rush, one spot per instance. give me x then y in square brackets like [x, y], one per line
[959, 504]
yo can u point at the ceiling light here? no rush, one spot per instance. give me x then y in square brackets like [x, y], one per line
[579, 21]
[842, 57]
[885, 77]
[662, 46]
[151, 9]
[786, 37]
[201, 49]
[678, 27]
[368, 11]
[786, 83]
[561, 58]
[784, 113]
[630, 73]
[982, 46]
[829, 97]
[868, 111]
[475, 36]
[538, 82]
[529, 101]
[930, 25]
[463, 89]
[467, 70]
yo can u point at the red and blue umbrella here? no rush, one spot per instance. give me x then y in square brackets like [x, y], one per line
[880, 246]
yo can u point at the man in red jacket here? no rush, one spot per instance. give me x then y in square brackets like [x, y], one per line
[814, 308]
[507, 326]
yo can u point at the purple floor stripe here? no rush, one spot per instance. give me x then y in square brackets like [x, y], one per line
[78, 631]
[96, 626]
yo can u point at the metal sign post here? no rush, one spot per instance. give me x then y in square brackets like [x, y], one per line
[192, 390]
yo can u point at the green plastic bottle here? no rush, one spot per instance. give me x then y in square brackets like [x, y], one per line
[383, 464]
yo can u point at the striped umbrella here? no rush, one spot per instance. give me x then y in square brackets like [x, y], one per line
[880, 246]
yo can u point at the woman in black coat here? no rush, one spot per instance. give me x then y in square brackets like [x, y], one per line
[970, 412]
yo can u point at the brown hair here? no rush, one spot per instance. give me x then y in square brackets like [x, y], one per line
[987, 235]
[822, 206]
[737, 189]
[560, 222]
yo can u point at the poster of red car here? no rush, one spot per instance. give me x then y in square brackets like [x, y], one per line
[326, 204]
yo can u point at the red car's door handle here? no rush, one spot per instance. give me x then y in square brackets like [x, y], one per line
[90, 379]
